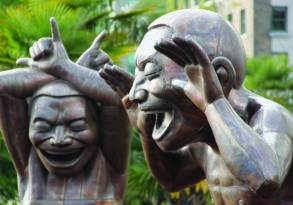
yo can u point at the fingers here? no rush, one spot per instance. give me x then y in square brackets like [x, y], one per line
[199, 53]
[101, 60]
[98, 40]
[117, 78]
[183, 44]
[165, 48]
[42, 48]
[119, 73]
[23, 62]
[56, 37]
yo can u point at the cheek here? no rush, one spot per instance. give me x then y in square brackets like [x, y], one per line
[88, 137]
[36, 137]
[156, 85]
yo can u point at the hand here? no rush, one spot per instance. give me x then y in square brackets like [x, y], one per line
[118, 79]
[94, 57]
[47, 53]
[203, 86]
[121, 82]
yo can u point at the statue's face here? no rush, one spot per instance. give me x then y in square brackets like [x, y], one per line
[176, 118]
[63, 132]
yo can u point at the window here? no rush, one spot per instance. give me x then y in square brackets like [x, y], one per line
[279, 18]
[242, 21]
[230, 18]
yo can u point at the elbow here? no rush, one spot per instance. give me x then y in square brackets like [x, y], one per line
[268, 188]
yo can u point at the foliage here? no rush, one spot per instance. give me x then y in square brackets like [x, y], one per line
[79, 22]
[142, 187]
[272, 78]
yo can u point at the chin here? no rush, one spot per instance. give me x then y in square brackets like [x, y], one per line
[175, 128]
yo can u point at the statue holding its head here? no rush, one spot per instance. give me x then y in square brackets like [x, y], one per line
[196, 119]
[65, 128]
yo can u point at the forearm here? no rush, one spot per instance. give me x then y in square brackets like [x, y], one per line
[173, 170]
[15, 134]
[22, 82]
[88, 81]
[246, 154]
[115, 139]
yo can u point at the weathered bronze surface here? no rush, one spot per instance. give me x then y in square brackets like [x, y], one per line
[196, 119]
[65, 128]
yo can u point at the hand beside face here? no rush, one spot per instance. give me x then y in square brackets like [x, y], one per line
[176, 119]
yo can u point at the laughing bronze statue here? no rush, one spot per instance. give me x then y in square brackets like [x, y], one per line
[65, 128]
[196, 119]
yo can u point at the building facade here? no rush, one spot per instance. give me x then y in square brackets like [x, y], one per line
[265, 25]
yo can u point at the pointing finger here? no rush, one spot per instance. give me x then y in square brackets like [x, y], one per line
[55, 30]
[99, 38]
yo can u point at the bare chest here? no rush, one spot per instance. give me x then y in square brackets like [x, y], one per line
[93, 186]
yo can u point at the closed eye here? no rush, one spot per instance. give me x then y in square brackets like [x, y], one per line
[78, 125]
[152, 70]
[42, 125]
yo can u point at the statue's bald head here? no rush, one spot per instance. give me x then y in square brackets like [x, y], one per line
[207, 28]
[57, 88]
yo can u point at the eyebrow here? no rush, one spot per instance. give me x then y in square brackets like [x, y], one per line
[143, 62]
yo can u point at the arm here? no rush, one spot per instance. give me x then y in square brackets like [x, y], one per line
[173, 170]
[115, 137]
[15, 85]
[22, 82]
[15, 135]
[246, 152]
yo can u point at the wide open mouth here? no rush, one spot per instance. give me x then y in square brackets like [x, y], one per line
[162, 124]
[63, 159]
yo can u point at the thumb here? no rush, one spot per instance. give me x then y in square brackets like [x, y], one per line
[24, 62]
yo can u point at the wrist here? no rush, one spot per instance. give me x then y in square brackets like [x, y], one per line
[211, 107]
[60, 66]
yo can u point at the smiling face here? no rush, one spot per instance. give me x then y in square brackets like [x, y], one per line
[177, 120]
[63, 132]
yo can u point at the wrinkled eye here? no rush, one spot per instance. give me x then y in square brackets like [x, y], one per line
[78, 125]
[42, 126]
[151, 70]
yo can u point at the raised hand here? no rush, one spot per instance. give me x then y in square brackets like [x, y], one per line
[47, 53]
[94, 57]
[118, 79]
[203, 86]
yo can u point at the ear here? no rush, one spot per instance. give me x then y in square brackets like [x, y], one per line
[225, 72]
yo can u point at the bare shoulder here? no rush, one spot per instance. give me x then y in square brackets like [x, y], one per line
[269, 116]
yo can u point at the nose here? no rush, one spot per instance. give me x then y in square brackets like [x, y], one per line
[60, 138]
[137, 93]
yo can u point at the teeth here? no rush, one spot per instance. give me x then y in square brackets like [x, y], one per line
[163, 120]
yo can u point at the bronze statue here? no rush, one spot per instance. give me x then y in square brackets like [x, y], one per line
[65, 128]
[196, 119]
